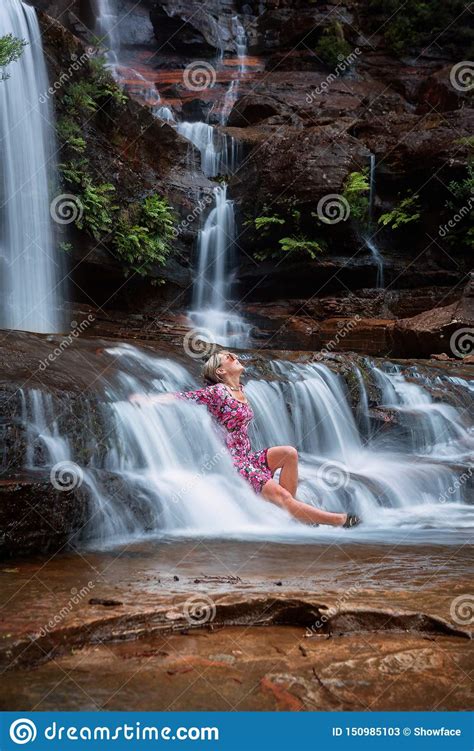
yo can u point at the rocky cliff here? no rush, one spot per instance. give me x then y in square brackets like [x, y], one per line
[329, 98]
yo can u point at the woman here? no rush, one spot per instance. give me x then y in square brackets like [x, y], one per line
[226, 401]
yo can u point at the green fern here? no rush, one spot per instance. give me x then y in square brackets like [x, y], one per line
[407, 211]
[356, 192]
[300, 244]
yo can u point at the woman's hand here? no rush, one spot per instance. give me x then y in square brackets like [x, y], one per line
[144, 399]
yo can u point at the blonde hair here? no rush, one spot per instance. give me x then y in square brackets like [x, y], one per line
[210, 368]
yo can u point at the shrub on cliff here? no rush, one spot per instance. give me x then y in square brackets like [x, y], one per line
[141, 234]
[412, 25]
[332, 47]
[144, 233]
[11, 49]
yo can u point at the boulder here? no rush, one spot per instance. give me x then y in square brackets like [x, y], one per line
[448, 330]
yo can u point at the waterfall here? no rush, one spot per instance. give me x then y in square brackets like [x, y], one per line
[369, 238]
[29, 265]
[107, 29]
[212, 287]
[175, 477]
[232, 92]
[240, 42]
[378, 260]
[220, 154]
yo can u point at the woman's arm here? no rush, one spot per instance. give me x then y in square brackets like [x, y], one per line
[206, 396]
[151, 398]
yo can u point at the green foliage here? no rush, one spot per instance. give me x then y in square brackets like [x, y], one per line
[356, 192]
[11, 49]
[407, 211]
[301, 244]
[463, 189]
[70, 135]
[144, 233]
[85, 96]
[465, 141]
[96, 200]
[98, 208]
[332, 48]
[412, 25]
[269, 234]
[462, 234]
[264, 222]
[141, 234]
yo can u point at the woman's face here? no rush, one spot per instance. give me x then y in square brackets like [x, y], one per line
[230, 365]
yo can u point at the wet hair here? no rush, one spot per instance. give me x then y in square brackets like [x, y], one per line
[210, 368]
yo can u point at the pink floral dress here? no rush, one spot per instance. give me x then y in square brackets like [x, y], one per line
[234, 417]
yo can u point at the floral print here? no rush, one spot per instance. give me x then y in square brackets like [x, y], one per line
[234, 417]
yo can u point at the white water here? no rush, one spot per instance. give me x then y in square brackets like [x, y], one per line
[107, 30]
[369, 238]
[378, 260]
[30, 272]
[212, 313]
[232, 92]
[409, 482]
[220, 154]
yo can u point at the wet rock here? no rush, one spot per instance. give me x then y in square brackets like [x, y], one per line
[448, 330]
[35, 516]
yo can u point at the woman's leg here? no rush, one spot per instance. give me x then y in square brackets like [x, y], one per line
[277, 494]
[286, 458]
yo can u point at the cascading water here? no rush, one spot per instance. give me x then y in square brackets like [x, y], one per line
[30, 268]
[240, 42]
[107, 30]
[219, 153]
[369, 238]
[233, 90]
[211, 312]
[177, 478]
